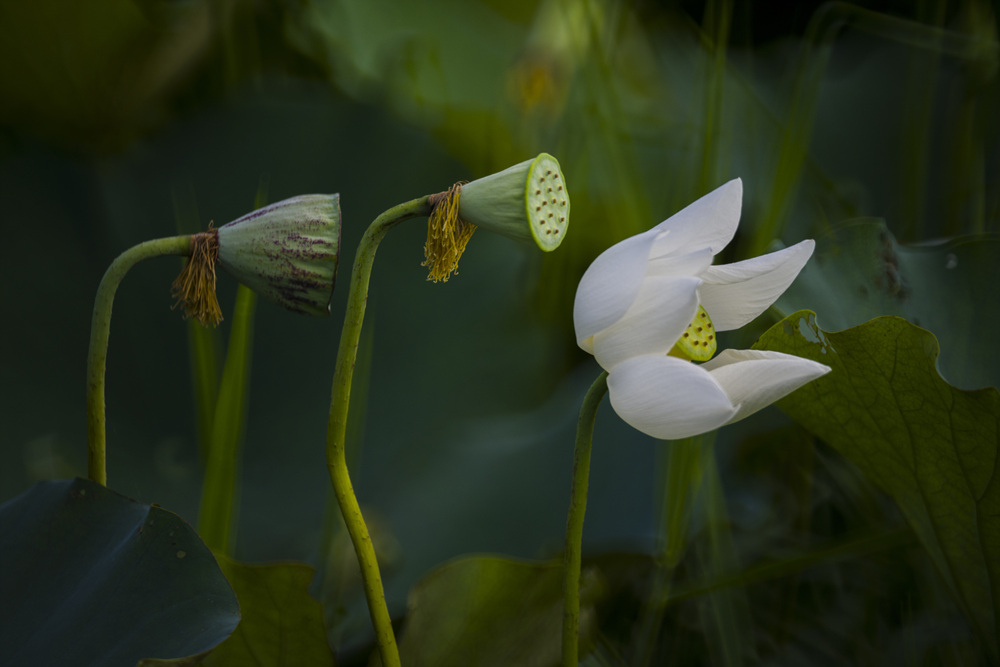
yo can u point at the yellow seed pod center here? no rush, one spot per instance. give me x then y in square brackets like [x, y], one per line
[697, 343]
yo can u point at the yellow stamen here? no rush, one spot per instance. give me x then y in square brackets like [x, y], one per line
[194, 288]
[698, 342]
[447, 236]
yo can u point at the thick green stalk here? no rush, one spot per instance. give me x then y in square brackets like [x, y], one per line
[221, 485]
[100, 331]
[337, 425]
[574, 522]
[204, 346]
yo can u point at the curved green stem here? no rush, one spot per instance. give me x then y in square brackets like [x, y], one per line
[337, 426]
[574, 523]
[100, 330]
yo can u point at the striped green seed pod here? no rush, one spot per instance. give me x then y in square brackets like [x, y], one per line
[287, 252]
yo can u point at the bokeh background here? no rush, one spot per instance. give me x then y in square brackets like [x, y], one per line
[125, 120]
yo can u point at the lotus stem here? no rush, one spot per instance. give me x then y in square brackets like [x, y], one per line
[337, 425]
[100, 331]
[574, 522]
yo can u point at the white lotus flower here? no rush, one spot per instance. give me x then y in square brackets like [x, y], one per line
[636, 308]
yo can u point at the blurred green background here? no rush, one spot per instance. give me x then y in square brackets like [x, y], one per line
[124, 120]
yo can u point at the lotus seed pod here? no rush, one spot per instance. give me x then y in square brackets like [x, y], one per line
[528, 201]
[697, 343]
[287, 252]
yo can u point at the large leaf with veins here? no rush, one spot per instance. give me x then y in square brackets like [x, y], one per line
[931, 446]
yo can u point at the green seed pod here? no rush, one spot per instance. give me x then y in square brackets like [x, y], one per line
[287, 252]
[528, 201]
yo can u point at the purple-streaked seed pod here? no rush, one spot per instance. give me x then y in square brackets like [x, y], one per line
[287, 252]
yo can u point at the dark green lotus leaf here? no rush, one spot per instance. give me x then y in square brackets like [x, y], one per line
[489, 610]
[282, 624]
[91, 578]
[931, 446]
[859, 272]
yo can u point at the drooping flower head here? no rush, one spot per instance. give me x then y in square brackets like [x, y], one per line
[528, 201]
[287, 252]
[649, 307]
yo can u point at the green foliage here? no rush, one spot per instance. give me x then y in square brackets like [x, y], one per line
[859, 272]
[221, 487]
[282, 625]
[203, 343]
[95, 73]
[725, 616]
[495, 91]
[91, 574]
[931, 446]
[488, 610]
[692, 493]
[887, 110]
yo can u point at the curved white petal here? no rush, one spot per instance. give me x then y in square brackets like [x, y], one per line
[610, 285]
[734, 294]
[754, 379]
[662, 310]
[668, 398]
[680, 264]
[709, 222]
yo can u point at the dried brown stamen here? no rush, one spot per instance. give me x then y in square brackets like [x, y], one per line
[194, 288]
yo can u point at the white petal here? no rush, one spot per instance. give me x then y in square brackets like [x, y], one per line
[754, 379]
[734, 294]
[668, 398]
[709, 222]
[680, 264]
[610, 285]
[662, 310]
